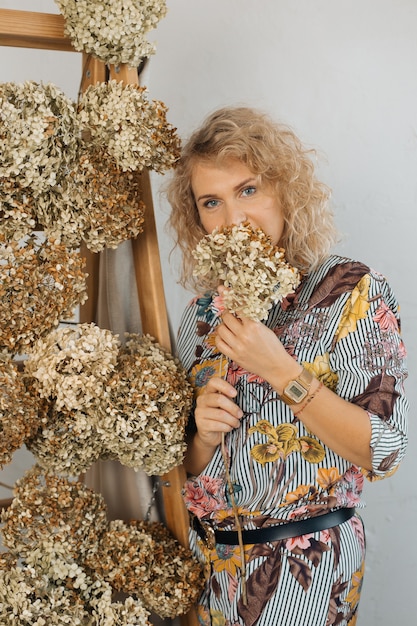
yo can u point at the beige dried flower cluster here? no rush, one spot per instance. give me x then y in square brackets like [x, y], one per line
[18, 410]
[29, 597]
[52, 589]
[41, 282]
[45, 505]
[245, 261]
[71, 559]
[114, 31]
[104, 400]
[143, 559]
[69, 369]
[149, 400]
[76, 173]
[72, 365]
[39, 132]
[95, 203]
[134, 130]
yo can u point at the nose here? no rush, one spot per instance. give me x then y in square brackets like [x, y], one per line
[234, 214]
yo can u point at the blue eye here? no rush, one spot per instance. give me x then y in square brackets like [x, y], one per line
[211, 204]
[248, 191]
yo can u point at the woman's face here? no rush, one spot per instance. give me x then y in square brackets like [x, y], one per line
[230, 193]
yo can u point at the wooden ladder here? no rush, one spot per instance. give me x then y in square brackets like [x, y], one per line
[27, 29]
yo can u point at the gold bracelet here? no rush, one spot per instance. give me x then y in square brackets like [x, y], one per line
[309, 399]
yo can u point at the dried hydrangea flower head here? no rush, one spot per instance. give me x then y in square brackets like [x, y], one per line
[95, 202]
[123, 552]
[143, 559]
[147, 405]
[58, 531]
[103, 400]
[182, 582]
[19, 418]
[134, 131]
[44, 506]
[41, 283]
[38, 600]
[66, 441]
[71, 365]
[114, 31]
[50, 587]
[245, 261]
[39, 131]
[111, 201]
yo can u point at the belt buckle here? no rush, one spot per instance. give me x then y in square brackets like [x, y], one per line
[209, 535]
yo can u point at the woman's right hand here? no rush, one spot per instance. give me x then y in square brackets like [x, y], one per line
[216, 411]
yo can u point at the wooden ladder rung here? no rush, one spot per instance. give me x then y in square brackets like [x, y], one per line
[5, 503]
[30, 29]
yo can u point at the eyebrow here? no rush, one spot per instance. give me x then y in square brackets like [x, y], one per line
[235, 188]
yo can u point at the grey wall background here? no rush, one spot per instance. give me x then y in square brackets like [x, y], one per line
[343, 74]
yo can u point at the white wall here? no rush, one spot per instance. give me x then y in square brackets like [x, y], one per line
[343, 74]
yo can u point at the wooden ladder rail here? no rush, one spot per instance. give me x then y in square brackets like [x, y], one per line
[46, 31]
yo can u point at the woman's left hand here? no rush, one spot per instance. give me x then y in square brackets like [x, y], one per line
[255, 348]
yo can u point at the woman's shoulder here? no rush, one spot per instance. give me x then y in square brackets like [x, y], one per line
[341, 275]
[345, 269]
[342, 264]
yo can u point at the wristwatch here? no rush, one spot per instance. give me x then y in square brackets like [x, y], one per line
[297, 389]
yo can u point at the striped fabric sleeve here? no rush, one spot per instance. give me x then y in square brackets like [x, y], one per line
[372, 375]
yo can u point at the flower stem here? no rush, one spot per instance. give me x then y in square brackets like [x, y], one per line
[238, 525]
[235, 508]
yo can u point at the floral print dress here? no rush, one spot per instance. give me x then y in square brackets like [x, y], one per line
[342, 324]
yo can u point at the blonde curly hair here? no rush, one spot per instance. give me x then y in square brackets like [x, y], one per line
[274, 153]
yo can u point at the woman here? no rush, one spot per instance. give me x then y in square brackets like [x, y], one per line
[291, 413]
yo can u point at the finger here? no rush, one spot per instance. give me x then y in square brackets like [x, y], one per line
[220, 386]
[216, 401]
[216, 420]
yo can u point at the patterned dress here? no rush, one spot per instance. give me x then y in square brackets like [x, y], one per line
[342, 324]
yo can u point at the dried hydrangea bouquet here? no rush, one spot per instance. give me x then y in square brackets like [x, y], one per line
[245, 261]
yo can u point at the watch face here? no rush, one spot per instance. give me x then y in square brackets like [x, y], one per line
[295, 391]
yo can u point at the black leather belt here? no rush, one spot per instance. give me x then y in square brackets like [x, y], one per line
[272, 533]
